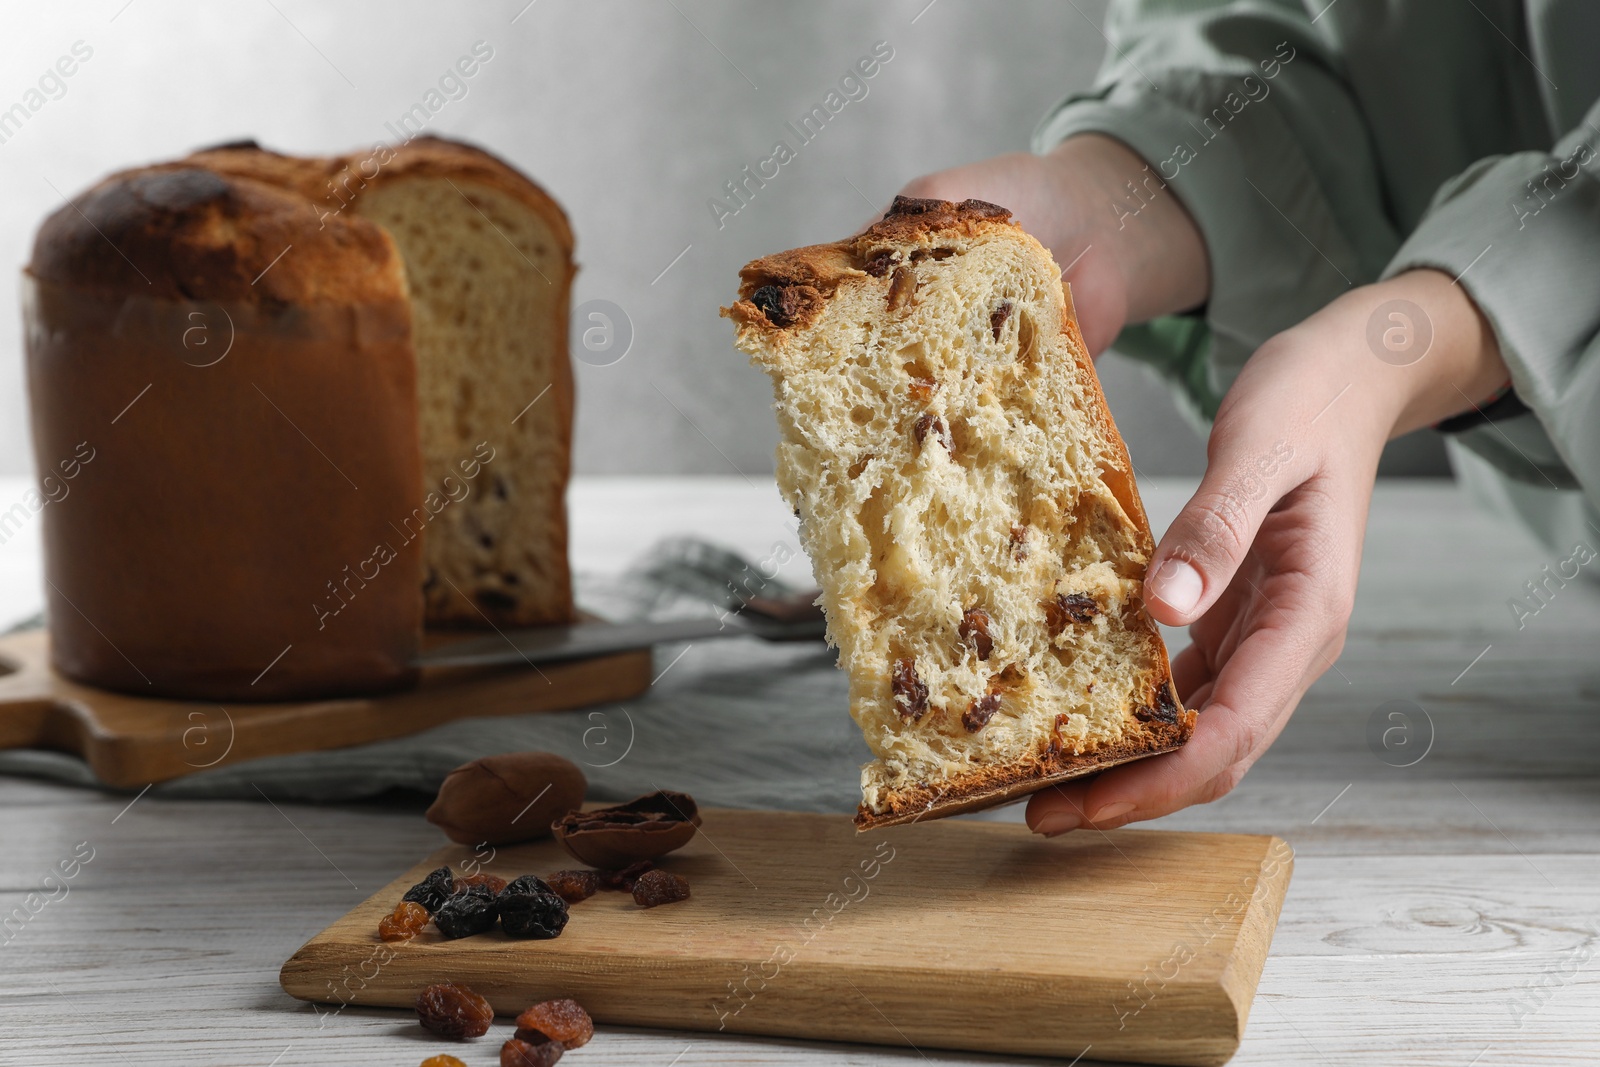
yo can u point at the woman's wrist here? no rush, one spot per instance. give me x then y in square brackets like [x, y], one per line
[1414, 349]
[1463, 368]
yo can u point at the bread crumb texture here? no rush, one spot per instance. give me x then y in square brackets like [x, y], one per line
[967, 505]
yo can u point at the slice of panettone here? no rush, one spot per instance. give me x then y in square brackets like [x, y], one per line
[968, 507]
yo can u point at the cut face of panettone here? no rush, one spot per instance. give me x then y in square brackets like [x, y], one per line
[968, 507]
[488, 265]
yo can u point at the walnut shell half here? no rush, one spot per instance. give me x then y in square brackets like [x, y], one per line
[642, 829]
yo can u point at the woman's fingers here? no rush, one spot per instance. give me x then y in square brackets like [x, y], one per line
[1209, 540]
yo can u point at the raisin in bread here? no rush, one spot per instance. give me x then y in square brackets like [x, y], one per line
[968, 506]
[488, 264]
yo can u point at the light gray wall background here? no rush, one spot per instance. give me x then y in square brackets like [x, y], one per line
[633, 113]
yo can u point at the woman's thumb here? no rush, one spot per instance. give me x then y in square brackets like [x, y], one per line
[1209, 539]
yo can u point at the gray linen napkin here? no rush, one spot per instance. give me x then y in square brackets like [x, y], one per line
[738, 722]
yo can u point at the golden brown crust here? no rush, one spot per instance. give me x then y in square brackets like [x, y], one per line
[332, 182]
[437, 157]
[820, 268]
[1001, 783]
[182, 232]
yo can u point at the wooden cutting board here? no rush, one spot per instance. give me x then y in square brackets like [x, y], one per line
[1131, 945]
[133, 741]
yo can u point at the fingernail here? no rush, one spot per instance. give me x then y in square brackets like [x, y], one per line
[1058, 822]
[1177, 584]
[1112, 811]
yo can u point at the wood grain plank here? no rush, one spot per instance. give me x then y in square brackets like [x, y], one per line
[1146, 945]
[131, 741]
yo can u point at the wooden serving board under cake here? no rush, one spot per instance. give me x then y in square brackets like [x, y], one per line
[1133, 945]
[131, 741]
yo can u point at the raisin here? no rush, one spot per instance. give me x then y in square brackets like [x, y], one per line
[471, 911]
[520, 1053]
[1068, 608]
[997, 319]
[915, 205]
[974, 631]
[930, 423]
[442, 1061]
[573, 886]
[561, 1020]
[902, 286]
[493, 881]
[766, 301]
[910, 694]
[1163, 709]
[1056, 744]
[530, 908]
[625, 878]
[404, 923]
[879, 263]
[922, 389]
[781, 304]
[980, 711]
[660, 887]
[450, 1009]
[432, 890]
[1019, 543]
[983, 209]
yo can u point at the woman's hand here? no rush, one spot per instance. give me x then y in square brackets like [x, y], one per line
[1263, 559]
[1125, 262]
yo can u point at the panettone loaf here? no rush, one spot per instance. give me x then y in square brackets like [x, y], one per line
[968, 507]
[378, 434]
[245, 421]
[488, 258]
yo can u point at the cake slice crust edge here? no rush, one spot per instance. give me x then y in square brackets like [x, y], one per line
[1003, 782]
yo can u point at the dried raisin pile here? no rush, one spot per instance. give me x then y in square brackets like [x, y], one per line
[432, 890]
[442, 1061]
[404, 923]
[562, 1020]
[450, 1009]
[493, 881]
[660, 887]
[471, 911]
[573, 886]
[530, 908]
[522, 1053]
[626, 877]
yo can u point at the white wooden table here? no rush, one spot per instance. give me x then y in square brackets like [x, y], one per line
[1444, 913]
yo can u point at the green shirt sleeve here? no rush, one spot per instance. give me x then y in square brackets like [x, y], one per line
[1521, 232]
[1243, 111]
[1327, 148]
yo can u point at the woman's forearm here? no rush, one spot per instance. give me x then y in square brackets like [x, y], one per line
[1149, 237]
